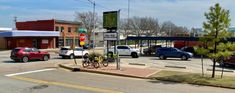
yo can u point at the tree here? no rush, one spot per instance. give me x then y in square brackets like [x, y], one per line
[216, 29]
[201, 51]
[87, 22]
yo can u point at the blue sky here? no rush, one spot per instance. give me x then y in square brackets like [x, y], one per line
[189, 13]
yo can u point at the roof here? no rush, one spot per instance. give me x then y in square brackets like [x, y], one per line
[29, 33]
[57, 21]
[67, 22]
[4, 29]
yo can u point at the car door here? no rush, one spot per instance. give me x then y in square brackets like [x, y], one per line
[121, 50]
[78, 52]
[175, 52]
[37, 54]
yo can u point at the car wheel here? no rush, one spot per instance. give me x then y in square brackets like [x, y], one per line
[162, 57]
[184, 57]
[134, 55]
[45, 58]
[86, 54]
[25, 59]
[71, 56]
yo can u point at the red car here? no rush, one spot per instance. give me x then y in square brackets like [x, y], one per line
[26, 54]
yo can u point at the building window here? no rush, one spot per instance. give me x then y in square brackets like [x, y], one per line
[57, 28]
[62, 29]
[69, 29]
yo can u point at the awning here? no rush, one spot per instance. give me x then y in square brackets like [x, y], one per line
[29, 33]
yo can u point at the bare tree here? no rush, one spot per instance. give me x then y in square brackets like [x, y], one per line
[87, 21]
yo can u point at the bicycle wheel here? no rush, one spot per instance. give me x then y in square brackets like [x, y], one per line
[96, 64]
[85, 64]
[105, 63]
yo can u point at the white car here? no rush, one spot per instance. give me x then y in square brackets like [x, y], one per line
[125, 50]
[67, 52]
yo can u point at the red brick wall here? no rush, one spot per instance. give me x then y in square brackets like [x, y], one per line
[28, 42]
[40, 25]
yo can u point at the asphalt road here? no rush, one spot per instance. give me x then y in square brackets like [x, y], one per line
[60, 81]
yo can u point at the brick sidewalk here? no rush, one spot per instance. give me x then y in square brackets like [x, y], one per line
[111, 70]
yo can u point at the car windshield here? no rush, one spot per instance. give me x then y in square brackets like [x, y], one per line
[64, 49]
[177, 49]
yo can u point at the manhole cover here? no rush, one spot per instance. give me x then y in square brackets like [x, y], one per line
[40, 87]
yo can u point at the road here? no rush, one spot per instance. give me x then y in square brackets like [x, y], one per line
[57, 80]
[60, 81]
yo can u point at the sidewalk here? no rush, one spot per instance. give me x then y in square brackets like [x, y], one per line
[143, 73]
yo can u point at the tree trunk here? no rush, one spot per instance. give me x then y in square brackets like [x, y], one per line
[202, 65]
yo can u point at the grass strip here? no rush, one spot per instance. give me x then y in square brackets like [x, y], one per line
[195, 78]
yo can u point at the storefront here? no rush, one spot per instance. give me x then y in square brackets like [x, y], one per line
[29, 38]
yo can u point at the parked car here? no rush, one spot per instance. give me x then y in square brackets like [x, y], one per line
[125, 50]
[67, 52]
[165, 52]
[188, 49]
[26, 54]
[229, 62]
[151, 49]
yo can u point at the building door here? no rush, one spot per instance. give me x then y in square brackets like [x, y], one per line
[36, 43]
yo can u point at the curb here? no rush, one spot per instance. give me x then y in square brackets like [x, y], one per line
[106, 73]
[69, 68]
[139, 64]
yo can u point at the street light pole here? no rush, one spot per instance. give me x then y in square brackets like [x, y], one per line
[93, 32]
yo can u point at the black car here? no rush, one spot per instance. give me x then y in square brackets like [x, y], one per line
[151, 49]
[165, 52]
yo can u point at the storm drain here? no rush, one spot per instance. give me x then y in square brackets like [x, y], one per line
[40, 87]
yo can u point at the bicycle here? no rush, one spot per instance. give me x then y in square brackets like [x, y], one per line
[87, 62]
[102, 60]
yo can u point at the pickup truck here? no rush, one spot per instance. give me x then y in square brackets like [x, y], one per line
[125, 50]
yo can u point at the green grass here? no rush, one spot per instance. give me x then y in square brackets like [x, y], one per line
[192, 78]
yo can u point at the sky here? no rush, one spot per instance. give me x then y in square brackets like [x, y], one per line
[188, 13]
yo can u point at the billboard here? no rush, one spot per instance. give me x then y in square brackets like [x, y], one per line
[110, 19]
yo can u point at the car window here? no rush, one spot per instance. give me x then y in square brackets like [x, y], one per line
[27, 50]
[64, 49]
[78, 49]
[122, 47]
[15, 50]
[34, 50]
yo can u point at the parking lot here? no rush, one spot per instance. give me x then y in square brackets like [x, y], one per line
[175, 64]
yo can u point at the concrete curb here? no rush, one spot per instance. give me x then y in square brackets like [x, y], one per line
[69, 68]
[139, 64]
[99, 72]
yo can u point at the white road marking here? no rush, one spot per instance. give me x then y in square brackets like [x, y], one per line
[35, 71]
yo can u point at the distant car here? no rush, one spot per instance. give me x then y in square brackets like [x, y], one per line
[26, 54]
[88, 46]
[124, 50]
[67, 52]
[165, 52]
[143, 44]
[228, 62]
[151, 49]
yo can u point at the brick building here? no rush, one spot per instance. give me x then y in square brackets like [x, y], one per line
[67, 29]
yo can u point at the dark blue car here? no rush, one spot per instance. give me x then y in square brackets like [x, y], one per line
[165, 52]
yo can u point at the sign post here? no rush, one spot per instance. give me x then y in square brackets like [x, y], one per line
[110, 22]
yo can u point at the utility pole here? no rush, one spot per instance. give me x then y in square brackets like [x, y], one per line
[15, 20]
[93, 32]
[128, 20]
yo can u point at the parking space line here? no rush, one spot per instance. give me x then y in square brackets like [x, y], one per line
[75, 86]
[28, 72]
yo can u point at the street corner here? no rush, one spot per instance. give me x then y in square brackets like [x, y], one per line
[71, 67]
